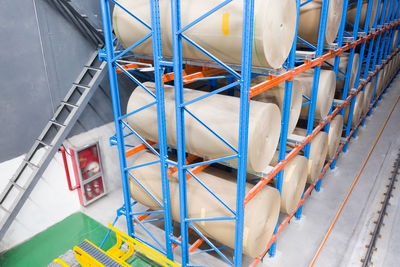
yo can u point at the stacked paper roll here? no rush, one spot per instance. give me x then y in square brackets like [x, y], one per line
[351, 13]
[310, 15]
[326, 91]
[358, 107]
[294, 181]
[344, 60]
[220, 33]
[368, 93]
[276, 95]
[260, 216]
[334, 135]
[221, 114]
[317, 155]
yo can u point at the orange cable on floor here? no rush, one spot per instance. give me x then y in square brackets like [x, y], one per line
[353, 185]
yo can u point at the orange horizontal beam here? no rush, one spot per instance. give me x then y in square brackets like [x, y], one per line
[137, 149]
[130, 67]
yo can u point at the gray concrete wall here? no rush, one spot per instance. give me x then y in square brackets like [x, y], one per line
[42, 53]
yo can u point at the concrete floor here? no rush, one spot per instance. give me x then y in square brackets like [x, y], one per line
[299, 241]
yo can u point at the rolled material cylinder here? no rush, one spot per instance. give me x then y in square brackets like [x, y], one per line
[344, 60]
[218, 112]
[395, 37]
[368, 93]
[294, 181]
[317, 156]
[310, 15]
[220, 33]
[326, 91]
[276, 95]
[380, 82]
[351, 13]
[260, 215]
[334, 135]
[358, 107]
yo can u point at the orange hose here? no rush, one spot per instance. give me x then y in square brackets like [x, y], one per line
[353, 185]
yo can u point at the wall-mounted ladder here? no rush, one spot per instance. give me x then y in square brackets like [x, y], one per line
[46, 145]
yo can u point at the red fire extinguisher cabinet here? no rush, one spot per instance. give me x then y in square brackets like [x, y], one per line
[88, 173]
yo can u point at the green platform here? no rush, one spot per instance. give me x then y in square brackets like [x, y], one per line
[44, 247]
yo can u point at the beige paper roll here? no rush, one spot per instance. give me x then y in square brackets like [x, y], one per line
[317, 156]
[368, 93]
[294, 181]
[344, 60]
[326, 91]
[396, 35]
[220, 33]
[358, 106]
[334, 135]
[351, 13]
[221, 114]
[310, 15]
[276, 95]
[260, 217]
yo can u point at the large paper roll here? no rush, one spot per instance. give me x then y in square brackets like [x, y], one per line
[276, 95]
[310, 15]
[395, 37]
[220, 33]
[218, 112]
[358, 106]
[317, 156]
[368, 93]
[351, 13]
[334, 135]
[260, 216]
[344, 60]
[294, 181]
[326, 91]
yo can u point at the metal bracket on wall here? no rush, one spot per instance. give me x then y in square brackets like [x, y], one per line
[46, 145]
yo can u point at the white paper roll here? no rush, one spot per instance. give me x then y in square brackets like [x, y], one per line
[334, 135]
[260, 217]
[218, 112]
[310, 15]
[220, 33]
[326, 91]
[276, 95]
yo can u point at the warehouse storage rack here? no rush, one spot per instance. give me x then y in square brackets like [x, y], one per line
[377, 40]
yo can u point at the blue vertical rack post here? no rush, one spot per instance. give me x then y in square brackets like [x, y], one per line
[287, 100]
[362, 52]
[348, 74]
[314, 91]
[337, 58]
[182, 109]
[111, 56]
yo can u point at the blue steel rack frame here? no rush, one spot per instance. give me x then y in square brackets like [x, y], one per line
[379, 41]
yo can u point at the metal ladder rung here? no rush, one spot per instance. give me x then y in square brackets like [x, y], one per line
[17, 185]
[69, 104]
[31, 164]
[57, 123]
[92, 68]
[81, 85]
[6, 210]
[43, 143]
